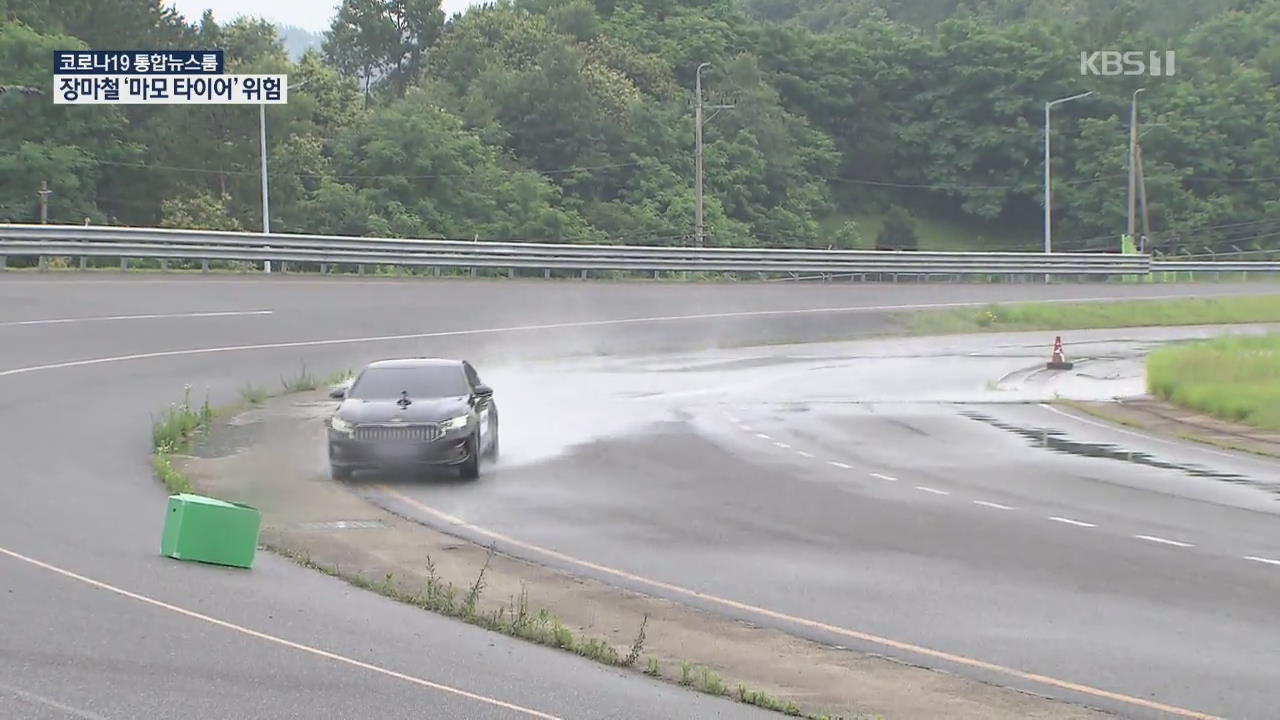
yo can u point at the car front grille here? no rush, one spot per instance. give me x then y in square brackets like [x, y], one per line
[397, 433]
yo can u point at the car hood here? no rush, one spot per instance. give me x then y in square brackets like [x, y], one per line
[419, 411]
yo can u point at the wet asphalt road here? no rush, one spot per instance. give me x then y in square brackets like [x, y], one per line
[77, 494]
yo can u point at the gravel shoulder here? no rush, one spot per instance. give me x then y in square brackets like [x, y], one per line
[273, 457]
[1164, 419]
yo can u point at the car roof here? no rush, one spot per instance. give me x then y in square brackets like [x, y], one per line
[414, 363]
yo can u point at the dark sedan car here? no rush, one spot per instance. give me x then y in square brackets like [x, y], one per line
[412, 413]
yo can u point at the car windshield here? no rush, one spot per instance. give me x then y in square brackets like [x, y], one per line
[429, 381]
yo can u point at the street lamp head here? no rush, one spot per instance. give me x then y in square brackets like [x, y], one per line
[1059, 101]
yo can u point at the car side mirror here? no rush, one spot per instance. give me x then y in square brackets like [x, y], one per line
[338, 393]
[484, 390]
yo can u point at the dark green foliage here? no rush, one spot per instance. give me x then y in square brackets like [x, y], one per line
[570, 120]
[898, 231]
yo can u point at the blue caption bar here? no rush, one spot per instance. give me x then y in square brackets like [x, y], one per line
[137, 62]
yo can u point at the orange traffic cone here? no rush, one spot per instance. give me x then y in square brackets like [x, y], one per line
[1059, 359]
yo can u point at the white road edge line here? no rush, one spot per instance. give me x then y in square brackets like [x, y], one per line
[1069, 521]
[840, 465]
[886, 478]
[522, 328]
[456, 521]
[64, 321]
[997, 506]
[1112, 427]
[1268, 561]
[935, 491]
[1163, 541]
[277, 640]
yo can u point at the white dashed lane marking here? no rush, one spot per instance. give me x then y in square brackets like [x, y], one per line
[1268, 561]
[1069, 521]
[1163, 541]
[935, 491]
[983, 503]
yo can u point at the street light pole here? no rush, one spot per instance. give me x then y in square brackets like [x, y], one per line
[1048, 194]
[266, 203]
[262, 143]
[1133, 164]
[697, 153]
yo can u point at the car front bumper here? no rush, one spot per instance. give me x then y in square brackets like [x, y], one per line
[347, 452]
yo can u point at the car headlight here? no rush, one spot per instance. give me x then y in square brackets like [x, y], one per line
[340, 425]
[455, 423]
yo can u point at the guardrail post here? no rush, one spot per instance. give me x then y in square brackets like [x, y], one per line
[436, 271]
[164, 265]
[124, 264]
[361, 271]
[546, 273]
[4, 260]
[44, 263]
[204, 266]
[84, 262]
[511, 272]
[584, 273]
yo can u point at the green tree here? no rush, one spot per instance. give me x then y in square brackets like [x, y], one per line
[203, 211]
[898, 231]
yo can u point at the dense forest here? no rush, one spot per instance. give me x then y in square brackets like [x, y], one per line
[571, 120]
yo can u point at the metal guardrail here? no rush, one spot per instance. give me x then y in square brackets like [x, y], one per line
[1215, 266]
[164, 244]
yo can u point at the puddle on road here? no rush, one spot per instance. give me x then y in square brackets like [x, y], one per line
[1058, 441]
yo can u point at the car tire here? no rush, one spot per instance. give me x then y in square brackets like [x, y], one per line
[470, 468]
[338, 472]
[492, 454]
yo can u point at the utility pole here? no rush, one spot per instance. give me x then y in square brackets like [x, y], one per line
[1133, 159]
[266, 208]
[43, 192]
[1142, 194]
[698, 228]
[697, 154]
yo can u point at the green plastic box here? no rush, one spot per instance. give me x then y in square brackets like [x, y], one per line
[210, 531]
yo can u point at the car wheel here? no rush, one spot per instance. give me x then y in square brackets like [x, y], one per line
[337, 472]
[470, 468]
[493, 445]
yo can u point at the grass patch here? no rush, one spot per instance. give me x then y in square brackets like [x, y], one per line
[173, 480]
[253, 395]
[177, 427]
[304, 381]
[1093, 315]
[339, 377]
[1231, 378]
[513, 618]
